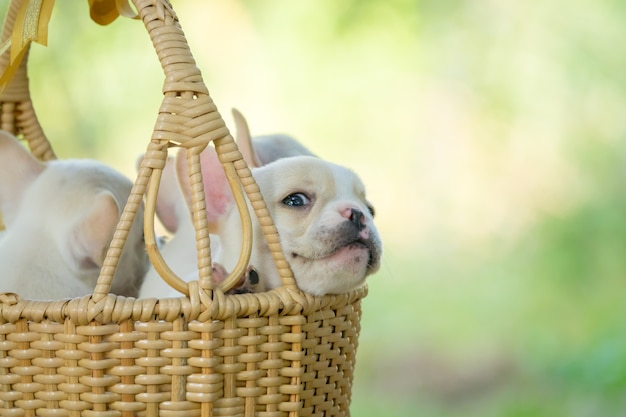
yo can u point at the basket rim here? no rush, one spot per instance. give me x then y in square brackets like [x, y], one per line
[200, 306]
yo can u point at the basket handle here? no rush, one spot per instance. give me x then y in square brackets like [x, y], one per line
[188, 118]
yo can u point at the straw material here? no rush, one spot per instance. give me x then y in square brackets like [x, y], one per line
[278, 353]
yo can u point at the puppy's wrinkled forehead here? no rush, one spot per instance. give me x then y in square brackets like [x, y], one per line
[308, 175]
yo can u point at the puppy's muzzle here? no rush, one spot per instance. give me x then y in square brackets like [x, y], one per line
[354, 231]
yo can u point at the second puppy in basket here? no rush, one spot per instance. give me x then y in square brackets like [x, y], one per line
[60, 218]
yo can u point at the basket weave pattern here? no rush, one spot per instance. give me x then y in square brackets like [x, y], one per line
[272, 364]
[278, 353]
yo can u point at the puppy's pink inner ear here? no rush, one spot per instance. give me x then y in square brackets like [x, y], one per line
[182, 172]
[93, 232]
[169, 197]
[219, 198]
[217, 194]
[244, 140]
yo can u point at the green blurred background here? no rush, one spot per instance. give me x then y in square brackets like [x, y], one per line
[491, 137]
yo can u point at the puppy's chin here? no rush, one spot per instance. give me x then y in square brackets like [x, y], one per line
[341, 272]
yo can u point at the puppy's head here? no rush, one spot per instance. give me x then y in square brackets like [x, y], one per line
[323, 218]
[324, 221]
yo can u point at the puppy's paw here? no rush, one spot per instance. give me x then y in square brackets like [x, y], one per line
[218, 273]
[247, 284]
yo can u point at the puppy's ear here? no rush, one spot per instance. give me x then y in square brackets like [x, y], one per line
[169, 198]
[18, 170]
[182, 174]
[244, 140]
[263, 150]
[273, 147]
[218, 196]
[92, 233]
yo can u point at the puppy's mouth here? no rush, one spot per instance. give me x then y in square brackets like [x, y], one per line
[346, 245]
[360, 243]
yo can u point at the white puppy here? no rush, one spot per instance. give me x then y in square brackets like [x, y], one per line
[324, 221]
[320, 210]
[173, 206]
[60, 217]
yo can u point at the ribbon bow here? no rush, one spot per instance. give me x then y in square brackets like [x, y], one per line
[104, 12]
[31, 25]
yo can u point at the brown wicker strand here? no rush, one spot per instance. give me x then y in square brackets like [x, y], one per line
[267, 226]
[135, 201]
[203, 242]
[179, 353]
[205, 386]
[155, 160]
[127, 370]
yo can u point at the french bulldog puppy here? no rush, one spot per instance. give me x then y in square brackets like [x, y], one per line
[323, 218]
[60, 217]
[320, 211]
[173, 207]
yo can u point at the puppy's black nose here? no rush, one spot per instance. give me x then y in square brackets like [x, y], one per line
[357, 218]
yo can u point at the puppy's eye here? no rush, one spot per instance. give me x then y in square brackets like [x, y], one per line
[371, 210]
[296, 200]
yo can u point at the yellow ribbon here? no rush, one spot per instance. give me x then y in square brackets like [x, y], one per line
[31, 25]
[104, 12]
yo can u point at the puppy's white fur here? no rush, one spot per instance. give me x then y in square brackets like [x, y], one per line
[60, 217]
[328, 249]
[328, 237]
[173, 204]
[330, 240]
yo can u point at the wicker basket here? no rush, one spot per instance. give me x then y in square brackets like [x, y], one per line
[278, 353]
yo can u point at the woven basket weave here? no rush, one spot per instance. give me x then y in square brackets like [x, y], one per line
[278, 353]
